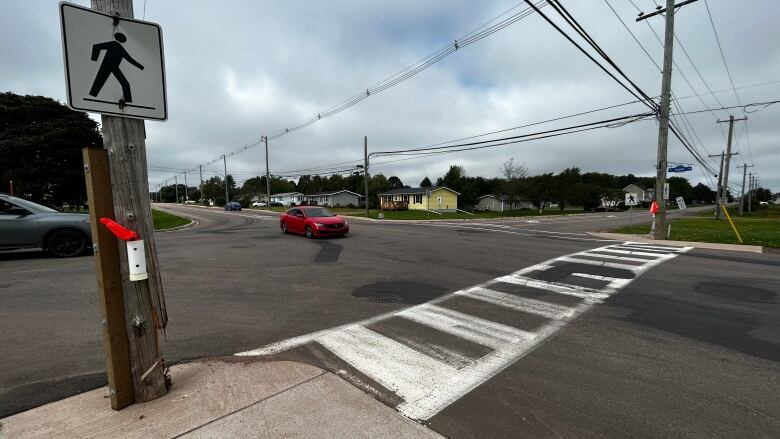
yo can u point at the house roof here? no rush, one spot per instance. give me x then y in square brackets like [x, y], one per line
[333, 193]
[638, 187]
[497, 197]
[285, 194]
[416, 190]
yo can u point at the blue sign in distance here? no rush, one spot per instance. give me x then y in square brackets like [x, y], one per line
[681, 168]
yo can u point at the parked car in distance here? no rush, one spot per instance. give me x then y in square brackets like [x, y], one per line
[313, 221]
[259, 204]
[233, 205]
[24, 224]
[276, 204]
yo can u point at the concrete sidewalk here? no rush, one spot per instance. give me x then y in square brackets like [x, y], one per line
[696, 244]
[233, 397]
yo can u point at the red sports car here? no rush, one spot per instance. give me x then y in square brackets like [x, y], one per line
[313, 221]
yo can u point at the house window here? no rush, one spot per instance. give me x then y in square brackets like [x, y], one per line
[406, 198]
[418, 199]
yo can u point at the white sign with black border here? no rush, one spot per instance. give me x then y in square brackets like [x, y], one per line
[113, 65]
[632, 199]
[680, 203]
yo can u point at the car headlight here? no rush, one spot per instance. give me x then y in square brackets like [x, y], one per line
[319, 224]
[346, 223]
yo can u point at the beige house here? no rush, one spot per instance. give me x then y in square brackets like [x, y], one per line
[442, 199]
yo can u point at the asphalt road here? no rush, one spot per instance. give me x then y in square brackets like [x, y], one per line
[685, 345]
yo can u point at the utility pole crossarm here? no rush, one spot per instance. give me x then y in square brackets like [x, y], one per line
[643, 16]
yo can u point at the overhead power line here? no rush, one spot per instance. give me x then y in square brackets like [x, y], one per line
[481, 32]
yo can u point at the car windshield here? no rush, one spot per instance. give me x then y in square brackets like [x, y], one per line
[29, 205]
[318, 212]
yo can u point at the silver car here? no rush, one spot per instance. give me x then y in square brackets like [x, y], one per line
[24, 224]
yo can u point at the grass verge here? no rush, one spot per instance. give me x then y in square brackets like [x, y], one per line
[164, 220]
[761, 227]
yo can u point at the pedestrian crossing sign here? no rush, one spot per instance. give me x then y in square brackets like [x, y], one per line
[113, 65]
[632, 199]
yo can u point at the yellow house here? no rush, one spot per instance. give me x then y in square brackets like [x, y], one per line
[439, 198]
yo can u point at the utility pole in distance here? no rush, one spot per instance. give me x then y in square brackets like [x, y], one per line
[725, 187]
[144, 304]
[176, 187]
[186, 188]
[200, 171]
[365, 169]
[722, 189]
[224, 162]
[267, 177]
[742, 196]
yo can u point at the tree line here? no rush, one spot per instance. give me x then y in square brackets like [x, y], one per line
[570, 188]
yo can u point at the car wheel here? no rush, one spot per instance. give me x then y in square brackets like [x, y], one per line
[309, 232]
[66, 244]
[284, 227]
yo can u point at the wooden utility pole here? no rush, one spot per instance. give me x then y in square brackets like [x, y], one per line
[186, 188]
[722, 191]
[267, 177]
[176, 187]
[742, 196]
[365, 169]
[725, 184]
[227, 196]
[663, 126]
[200, 171]
[144, 304]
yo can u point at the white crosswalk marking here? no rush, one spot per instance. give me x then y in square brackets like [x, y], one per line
[569, 290]
[426, 377]
[532, 306]
[397, 367]
[481, 331]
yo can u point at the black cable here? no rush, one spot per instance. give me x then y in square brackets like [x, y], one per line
[435, 148]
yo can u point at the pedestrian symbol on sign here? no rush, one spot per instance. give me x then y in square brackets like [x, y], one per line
[631, 199]
[115, 53]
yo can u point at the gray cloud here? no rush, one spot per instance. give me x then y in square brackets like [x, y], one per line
[245, 68]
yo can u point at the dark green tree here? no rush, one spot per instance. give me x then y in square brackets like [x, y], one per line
[40, 149]
[426, 182]
[702, 193]
[395, 182]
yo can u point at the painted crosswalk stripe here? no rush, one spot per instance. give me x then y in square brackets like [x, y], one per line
[569, 290]
[576, 260]
[615, 257]
[532, 306]
[484, 332]
[407, 372]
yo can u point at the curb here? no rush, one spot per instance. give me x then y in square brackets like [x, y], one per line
[695, 244]
[193, 223]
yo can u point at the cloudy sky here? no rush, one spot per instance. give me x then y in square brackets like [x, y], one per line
[240, 69]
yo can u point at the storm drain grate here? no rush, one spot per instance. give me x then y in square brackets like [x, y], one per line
[384, 298]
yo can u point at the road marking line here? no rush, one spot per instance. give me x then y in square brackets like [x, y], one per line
[637, 253]
[568, 290]
[621, 258]
[394, 365]
[524, 304]
[481, 331]
[598, 263]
